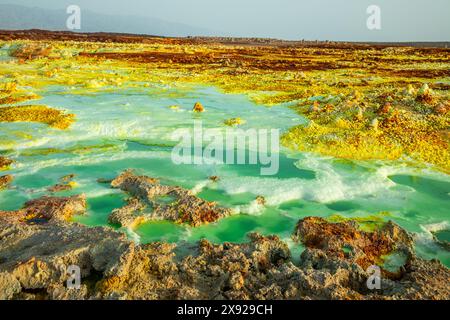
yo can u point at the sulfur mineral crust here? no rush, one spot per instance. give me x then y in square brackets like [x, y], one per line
[362, 101]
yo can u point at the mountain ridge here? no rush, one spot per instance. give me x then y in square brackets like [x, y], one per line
[16, 17]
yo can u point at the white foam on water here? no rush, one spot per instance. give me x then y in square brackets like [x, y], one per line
[90, 159]
[253, 208]
[426, 237]
[131, 234]
[97, 193]
[200, 186]
[329, 185]
[435, 227]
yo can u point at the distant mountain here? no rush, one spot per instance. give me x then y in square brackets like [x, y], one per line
[14, 17]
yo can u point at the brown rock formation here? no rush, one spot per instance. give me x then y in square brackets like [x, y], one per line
[129, 215]
[364, 248]
[5, 181]
[198, 107]
[47, 209]
[182, 206]
[34, 259]
[5, 163]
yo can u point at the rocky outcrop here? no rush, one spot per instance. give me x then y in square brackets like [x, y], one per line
[129, 215]
[66, 183]
[47, 209]
[198, 107]
[35, 258]
[345, 241]
[342, 250]
[30, 51]
[5, 181]
[166, 202]
[5, 163]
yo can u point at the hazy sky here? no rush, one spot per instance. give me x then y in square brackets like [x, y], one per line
[402, 20]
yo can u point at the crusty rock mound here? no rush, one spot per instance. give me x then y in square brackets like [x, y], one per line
[34, 259]
[166, 202]
[47, 209]
[36, 253]
[344, 240]
[5, 181]
[5, 163]
[130, 215]
[342, 248]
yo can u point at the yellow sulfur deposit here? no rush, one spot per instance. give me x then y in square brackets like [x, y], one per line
[37, 113]
[361, 102]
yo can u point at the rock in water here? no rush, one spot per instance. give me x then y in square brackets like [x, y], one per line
[5, 163]
[47, 209]
[182, 206]
[129, 215]
[65, 184]
[366, 248]
[5, 181]
[198, 107]
[233, 122]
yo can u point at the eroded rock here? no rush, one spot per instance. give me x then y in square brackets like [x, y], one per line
[5, 163]
[5, 181]
[345, 241]
[45, 209]
[167, 202]
[66, 183]
[198, 107]
[34, 261]
[129, 215]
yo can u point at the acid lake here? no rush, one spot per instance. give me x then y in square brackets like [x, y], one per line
[132, 128]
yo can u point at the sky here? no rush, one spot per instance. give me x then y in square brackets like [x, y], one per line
[343, 20]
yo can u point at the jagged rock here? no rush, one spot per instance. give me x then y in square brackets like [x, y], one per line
[183, 206]
[5, 163]
[9, 286]
[65, 184]
[233, 122]
[45, 209]
[363, 248]
[36, 256]
[127, 215]
[198, 107]
[5, 181]
[34, 261]
[214, 178]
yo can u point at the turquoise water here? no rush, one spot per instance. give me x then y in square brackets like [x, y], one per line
[132, 129]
